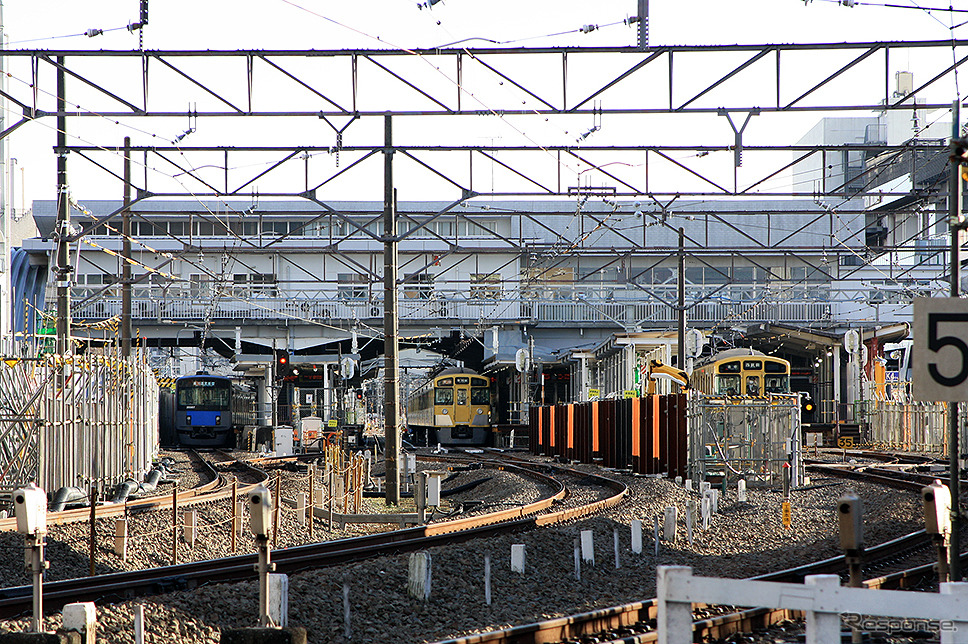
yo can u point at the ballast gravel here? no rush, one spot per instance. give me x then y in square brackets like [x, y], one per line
[742, 539]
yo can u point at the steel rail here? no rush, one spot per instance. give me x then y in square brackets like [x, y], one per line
[642, 615]
[127, 585]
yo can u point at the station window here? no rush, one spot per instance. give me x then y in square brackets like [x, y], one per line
[419, 286]
[352, 286]
[485, 286]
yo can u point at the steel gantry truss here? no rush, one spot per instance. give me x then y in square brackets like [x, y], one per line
[641, 90]
[643, 104]
[353, 83]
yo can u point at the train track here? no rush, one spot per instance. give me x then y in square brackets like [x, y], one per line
[635, 623]
[128, 585]
[219, 487]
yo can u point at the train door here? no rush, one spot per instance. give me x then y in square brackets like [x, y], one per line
[462, 395]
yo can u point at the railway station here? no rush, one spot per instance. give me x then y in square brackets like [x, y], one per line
[481, 342]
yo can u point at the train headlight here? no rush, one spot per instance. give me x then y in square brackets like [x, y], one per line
[445, 411]
[479, 411]
[188, 420]
[218, 420]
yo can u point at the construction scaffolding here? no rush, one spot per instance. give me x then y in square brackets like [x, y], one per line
[755, 439]
[83, 420]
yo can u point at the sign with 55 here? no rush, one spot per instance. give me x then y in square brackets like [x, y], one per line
[940, 360]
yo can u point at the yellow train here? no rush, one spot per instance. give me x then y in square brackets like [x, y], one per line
[742, 372]
[452, 408]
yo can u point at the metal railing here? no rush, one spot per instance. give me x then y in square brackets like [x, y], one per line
[627, 313]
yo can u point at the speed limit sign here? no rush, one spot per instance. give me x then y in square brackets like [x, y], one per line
[940, 361]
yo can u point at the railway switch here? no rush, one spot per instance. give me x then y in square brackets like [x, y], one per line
[937, 522]
[260, 511]
[937, 508]
[850, 512]
[30, 506]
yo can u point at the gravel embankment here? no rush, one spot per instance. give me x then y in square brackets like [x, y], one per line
[742, 540]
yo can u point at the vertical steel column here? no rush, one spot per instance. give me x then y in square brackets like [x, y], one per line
[682, 301]
[63, 264]
[126, 255]
[643, 24]
[957, 228]
[391, 325]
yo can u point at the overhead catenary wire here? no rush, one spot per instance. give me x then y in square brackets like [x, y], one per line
[560, 240]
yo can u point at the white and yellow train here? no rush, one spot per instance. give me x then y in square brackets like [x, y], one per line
[745, 373]
[452, 408]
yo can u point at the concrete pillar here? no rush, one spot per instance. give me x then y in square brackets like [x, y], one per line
[822, 628]
[278, 599]
[121, 538]
[588, 546]
[669, 526]
[637, 536]
[517, 557]
[958, 633]
[191, 525]
[420, 575]
[674, 619]
[81, 618]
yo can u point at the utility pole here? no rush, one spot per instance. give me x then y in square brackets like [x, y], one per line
[63, 266]
[126, 255]
[957, 232]
[6, 212]
[682, 300]
[391, 325]
[643, 24]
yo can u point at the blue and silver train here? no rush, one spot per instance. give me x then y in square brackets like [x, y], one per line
[211, 410]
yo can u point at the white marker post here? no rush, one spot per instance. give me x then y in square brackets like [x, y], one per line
[588, 546]
[637, 536]
[669, 526]
[517, 558]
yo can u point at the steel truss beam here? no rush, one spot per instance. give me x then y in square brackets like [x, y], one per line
[610, 171]
[342, 83]
[350, 84]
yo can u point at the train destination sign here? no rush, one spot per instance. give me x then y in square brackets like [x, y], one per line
[940, 359]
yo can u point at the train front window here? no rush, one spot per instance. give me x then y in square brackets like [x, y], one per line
[443, 396]
[461, 396]
[777, 384]
[480, 396]
[729, 385]
[211, 398]
[752, 385]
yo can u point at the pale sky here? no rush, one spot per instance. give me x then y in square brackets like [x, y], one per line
[305, 24]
